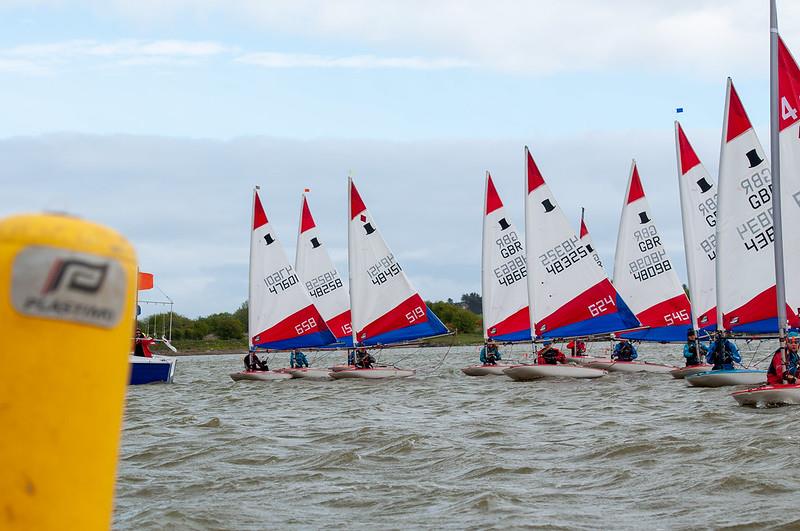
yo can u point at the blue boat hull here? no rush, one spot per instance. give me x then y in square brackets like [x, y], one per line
[150, 370]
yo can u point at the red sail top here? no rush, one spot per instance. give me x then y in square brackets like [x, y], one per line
[306, 220]
[738, 122]
[535, 179]
[635, 191]
[356, 204]
[584, 230]
[493, 201]
[788, 87]
[688, 157]
[259, 217]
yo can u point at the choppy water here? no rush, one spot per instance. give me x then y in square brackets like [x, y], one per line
[446, 451]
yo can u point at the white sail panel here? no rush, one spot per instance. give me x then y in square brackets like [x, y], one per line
[281, 314]
[586, 241]
[643, 272]
[789, 138]
[323, 283]
[385, 308]
[504, 272]
[570, 295]
[698, 194]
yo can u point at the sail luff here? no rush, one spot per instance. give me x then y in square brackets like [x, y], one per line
[350, 257]
[484, 259]
[720, 213]
[688, 239]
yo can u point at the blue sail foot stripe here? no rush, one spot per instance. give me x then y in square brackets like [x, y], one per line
[432, 327]
[521, 335]
[317, 339]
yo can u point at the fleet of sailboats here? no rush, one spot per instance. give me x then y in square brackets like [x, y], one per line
[549, 283]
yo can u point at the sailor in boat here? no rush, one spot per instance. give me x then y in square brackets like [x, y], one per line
[141, 345]
[550, 355]
[624, 351]
[723, 352]
[690, 353]
[577, 348]
[252, 363]
[297, 360]
[351, 357]
[490, 354]
[780, 372]
[364, 359]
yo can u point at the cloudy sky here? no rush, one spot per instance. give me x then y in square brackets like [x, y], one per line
[157, 117]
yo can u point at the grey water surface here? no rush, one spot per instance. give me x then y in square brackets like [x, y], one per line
[446, 451]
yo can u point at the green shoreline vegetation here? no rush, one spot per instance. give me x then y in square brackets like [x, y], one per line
[225, 333]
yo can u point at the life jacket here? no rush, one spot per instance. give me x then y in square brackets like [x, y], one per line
[550, 356]
[694, 359]
[625, 352]
[722, 356]
[776, 369]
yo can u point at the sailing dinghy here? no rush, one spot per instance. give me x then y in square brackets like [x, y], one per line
[745, 263]
[570, 295]
[385, 308]
[785, 144]
[281, 315]
[503, 274]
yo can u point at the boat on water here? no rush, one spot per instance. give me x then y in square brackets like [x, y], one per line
[281, 314]
[151, 370]
[784, 132]
[682, 372]
[487, 370]
[570, 295]
[612, 365]
[726, 377]
[385, 308]
[769, 395]
[524, 373]
[503, 273]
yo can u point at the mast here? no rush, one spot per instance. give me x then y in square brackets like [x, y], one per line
[250, 269]
[718, 261]
[299, 228]
[350, 256]
[484, 289]
[775, 154]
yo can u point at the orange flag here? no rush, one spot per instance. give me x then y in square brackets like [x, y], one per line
[145, 281]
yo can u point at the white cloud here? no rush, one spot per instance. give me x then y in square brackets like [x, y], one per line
[42, 57]
[699, 37]
[289, 60]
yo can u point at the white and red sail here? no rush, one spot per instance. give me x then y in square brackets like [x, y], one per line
[586, 241]
[746, 294]
[281, 314]
[570, 295]
[789, 139]
[385, 307]
[643, 272]
[315, 268]
[698, 194]
[504, 272]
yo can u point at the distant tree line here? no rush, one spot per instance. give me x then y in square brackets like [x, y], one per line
[463, 317]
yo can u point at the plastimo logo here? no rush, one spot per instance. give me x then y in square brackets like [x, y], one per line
[65, 285]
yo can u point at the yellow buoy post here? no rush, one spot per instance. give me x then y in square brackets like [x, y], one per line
[67, 296]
